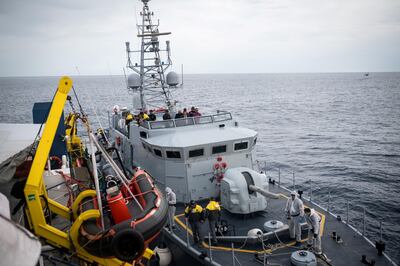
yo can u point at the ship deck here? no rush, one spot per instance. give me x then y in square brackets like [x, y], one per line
[278, 247]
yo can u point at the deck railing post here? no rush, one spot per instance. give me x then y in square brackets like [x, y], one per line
[209, 245]
[347, 212]
[233, 255]
[363, 233]
[279, 177]
[187, 233]
[294, 182]
[310, 191]
[329, 201]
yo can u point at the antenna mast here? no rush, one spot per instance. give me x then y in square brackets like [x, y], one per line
[151, 82]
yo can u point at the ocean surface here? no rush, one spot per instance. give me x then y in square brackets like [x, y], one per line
[341, 131]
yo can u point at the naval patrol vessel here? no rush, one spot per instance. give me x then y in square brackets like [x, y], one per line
[200, 156]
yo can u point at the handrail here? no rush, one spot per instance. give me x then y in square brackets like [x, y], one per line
[187, 121]
[290, 184]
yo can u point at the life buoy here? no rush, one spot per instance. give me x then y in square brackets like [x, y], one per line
[128, 245]
[219, 169]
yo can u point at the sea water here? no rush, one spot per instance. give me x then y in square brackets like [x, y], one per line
[337, 133]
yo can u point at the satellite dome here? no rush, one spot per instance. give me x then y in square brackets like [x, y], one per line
[255, 232]
[134, 81]
[172, 79]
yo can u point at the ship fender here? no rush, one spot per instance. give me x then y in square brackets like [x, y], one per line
[128, 244]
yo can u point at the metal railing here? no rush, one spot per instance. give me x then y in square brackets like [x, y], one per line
[288, 180]
[187, 121]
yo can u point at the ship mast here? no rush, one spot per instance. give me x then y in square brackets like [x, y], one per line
[151, 81]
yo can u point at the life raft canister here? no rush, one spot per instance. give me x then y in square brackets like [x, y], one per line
[117, 205]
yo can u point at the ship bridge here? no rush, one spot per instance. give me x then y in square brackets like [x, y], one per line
[181, 153]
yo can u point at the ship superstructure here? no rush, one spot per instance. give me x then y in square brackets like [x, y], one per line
[210, 155]
[180, 153]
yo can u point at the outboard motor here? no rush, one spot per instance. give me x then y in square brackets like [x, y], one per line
[244, 191]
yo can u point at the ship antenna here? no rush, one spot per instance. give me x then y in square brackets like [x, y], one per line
[151, 80]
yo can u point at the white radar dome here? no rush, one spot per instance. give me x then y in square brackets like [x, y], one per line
[255, 232]
[172, 78]
[133, 81]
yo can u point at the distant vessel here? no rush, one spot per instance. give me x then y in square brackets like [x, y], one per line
[366, 74]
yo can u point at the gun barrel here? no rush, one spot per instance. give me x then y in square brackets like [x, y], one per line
[263, 192]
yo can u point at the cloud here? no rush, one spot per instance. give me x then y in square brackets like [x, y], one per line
[49, 37]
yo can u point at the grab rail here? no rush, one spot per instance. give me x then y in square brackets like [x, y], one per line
[288, 180]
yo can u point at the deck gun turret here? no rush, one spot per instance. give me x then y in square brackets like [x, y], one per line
[244, 191]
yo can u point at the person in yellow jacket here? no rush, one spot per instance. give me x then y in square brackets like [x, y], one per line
[194, 213]
[129, 118]
[213, 214]
[143, 116]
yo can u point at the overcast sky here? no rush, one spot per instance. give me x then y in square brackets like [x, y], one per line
[51, 37]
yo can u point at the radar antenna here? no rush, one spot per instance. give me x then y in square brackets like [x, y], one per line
[153, 85]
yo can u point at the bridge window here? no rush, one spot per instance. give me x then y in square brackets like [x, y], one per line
[219, 149]
[241, 146]
[196, 153]
[173, 154]
[157, 152]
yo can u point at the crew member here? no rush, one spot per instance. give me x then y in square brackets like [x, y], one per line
[295, 212]
[194, 213]
[213, 214]
[179, 115]
[166, 115]
[314, 237]
[185, 112]
[143, 116]
[129, 118]
[171, 197]
[152, 116]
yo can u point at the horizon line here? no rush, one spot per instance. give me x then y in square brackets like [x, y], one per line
[204, 73]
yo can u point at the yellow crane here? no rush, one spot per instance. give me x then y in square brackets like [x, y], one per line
[37, 199]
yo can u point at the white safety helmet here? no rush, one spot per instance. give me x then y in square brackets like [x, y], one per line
[168, 190]
[116, 108]
[293, 193]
